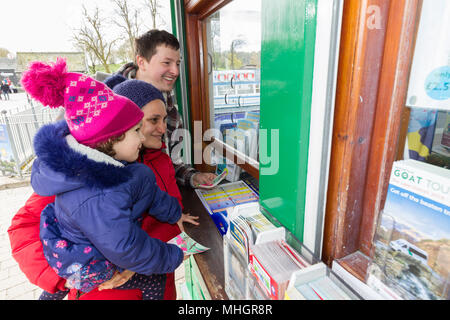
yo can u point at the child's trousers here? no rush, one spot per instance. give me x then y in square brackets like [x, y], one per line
[152, 287]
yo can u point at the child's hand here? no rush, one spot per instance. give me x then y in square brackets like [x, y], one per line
[186, 217]
[117, 280]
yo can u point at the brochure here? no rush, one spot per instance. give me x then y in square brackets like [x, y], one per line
[225, 197]
[412, 243]
[187, 244]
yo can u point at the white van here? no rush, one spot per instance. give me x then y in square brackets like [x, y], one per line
[408, 248]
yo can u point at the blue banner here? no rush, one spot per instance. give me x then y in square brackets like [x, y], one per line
[6, 155]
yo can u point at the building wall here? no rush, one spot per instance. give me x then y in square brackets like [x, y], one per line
[76, 61]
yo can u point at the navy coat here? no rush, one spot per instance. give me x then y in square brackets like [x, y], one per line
[95, 218]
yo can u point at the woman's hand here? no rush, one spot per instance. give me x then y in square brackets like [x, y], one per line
[117, 280]
[186, 217]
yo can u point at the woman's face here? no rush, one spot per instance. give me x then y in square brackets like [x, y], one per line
[154, 124]
[128, 148]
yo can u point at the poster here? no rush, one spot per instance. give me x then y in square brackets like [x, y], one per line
[412, 242]
[7, 161]
[429, 85]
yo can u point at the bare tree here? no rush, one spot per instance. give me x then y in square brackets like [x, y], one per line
[236, 43]
[123, 53]
[91, 59]
[91, 37]
[154, 7]
[129, 21]
[4, 53]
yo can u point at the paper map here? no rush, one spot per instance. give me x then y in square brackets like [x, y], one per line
[223, 197]
[187, 244]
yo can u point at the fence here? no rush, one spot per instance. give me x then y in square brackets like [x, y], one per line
[16, 136]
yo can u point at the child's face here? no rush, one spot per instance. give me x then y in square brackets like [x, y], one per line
[128, 148]
[154, 124]
[163, 68]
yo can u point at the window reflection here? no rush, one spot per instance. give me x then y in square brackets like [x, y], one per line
[234, 52]
[428, 135]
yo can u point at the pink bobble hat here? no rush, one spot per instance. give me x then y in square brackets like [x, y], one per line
[93, 112]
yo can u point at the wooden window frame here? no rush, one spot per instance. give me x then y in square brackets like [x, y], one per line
[373, 77]
[196, 13]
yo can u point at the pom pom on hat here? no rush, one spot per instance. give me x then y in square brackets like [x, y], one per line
[92, 111]
[46, 82]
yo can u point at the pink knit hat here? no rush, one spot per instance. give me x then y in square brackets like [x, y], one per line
[93, 112]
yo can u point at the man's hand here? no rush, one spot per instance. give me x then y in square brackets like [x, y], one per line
[203, 178]
[117, 280]
[186, 217]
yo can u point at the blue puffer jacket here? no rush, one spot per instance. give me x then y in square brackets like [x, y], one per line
[95, 218]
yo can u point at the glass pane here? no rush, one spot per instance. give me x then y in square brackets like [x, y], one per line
[428, 136]
[234, 51]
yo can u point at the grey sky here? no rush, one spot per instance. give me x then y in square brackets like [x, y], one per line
[46, 25]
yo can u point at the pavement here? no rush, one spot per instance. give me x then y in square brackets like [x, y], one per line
[12, 182]
[14, 191]
[14, 285]
[17, 102]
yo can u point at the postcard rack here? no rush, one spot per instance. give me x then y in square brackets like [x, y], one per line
[264, 261]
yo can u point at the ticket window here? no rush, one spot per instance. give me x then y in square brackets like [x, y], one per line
[365, 111]
[266, 90]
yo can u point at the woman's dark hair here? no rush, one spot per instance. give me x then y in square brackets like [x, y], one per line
[147, 43]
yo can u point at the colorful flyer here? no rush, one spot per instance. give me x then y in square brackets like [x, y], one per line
[187, 244]
[223, 197]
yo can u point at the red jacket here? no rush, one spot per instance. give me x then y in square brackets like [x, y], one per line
[27, 248]
[162, 167]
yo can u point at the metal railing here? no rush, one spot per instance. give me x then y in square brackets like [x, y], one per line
[16, 136]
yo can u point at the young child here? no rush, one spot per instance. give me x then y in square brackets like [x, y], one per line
[93, 228]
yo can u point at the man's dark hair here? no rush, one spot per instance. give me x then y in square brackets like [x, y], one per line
[147, 43]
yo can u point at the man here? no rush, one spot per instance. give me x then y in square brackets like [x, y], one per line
[158, 63]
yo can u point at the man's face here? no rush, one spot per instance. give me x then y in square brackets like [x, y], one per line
[162, 70]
